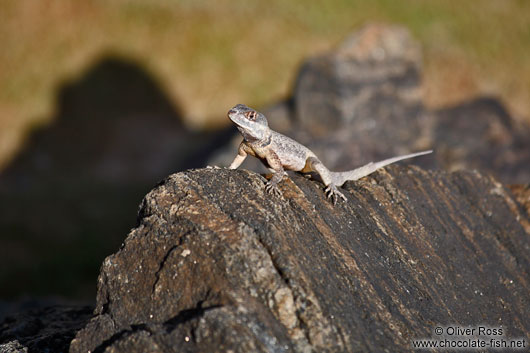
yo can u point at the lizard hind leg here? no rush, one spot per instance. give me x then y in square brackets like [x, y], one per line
[327, 178]
[332, 191]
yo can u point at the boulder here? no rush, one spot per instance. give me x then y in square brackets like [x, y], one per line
[377, 64]
[363, 102]
[45, 329]
[216, 264]
[481, 134]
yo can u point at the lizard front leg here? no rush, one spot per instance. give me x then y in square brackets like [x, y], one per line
[278, 172]
[238, 160]
[242, 153]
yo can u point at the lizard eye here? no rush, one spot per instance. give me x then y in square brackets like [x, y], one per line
[251, 115]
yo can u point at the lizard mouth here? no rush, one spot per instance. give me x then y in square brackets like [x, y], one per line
[233, 115]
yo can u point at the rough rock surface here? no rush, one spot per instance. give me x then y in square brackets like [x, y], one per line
[522, 195]
[216, 264]
[47, 329]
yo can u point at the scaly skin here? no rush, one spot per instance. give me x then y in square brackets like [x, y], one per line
[280, 153]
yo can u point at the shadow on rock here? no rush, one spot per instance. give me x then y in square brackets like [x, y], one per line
[71, 194]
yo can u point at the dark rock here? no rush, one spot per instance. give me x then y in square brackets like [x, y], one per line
[359, 103]
[36, 304]
[378, 64]
[279, 115]
[481, 134]
[248, 328]
[522, 195]
[47, 329]
[216, 264]
[362, 102]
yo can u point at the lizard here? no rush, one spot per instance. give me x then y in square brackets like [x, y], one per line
[280, 153]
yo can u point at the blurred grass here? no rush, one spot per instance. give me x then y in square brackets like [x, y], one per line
[209, 55]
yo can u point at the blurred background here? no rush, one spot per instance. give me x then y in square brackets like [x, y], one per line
[101, 100]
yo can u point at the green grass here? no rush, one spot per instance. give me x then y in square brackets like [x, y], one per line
[209, 55]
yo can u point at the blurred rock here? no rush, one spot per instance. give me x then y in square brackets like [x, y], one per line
[373, 73]
[216, 264]
[362, 102]
[36, 304]
[481, 134]
[48, 329]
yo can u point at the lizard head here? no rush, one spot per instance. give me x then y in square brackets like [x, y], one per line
[251, 123]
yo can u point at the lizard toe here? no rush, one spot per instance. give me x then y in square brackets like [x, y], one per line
[272, 189]
[334, 194]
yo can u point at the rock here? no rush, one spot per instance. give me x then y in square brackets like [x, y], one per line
[216, 264]
[36, 304]
[48, 329]
[13, 347]
[522, 195]
[480, 134]
[377, 64]
[362, 102]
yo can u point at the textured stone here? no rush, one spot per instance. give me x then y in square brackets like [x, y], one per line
[216, 264]
[48, 329]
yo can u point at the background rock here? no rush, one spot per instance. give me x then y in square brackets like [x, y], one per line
[216, 264]
[481, 134]
[47, 329]
[378, 64]
[362, 102]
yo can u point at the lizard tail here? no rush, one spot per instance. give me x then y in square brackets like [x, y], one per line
[340, 178]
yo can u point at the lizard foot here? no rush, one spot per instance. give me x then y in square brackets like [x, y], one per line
[272, 188]
[333, 193]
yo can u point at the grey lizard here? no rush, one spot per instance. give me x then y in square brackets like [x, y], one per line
[280, 153]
